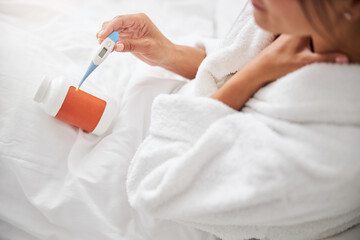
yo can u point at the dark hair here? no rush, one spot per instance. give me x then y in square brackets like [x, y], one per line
[327, 16]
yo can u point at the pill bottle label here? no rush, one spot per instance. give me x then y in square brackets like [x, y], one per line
[81, 109]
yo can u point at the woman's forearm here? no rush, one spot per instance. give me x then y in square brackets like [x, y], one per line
[184, 60]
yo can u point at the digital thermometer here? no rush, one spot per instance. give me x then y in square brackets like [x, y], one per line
[105, 49]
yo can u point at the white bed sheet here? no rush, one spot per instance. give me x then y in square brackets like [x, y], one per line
[57, 182]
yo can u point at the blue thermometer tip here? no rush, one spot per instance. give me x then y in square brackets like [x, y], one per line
[90, 69]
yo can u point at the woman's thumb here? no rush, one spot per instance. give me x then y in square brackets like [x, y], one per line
[133, 45]
[119, 47]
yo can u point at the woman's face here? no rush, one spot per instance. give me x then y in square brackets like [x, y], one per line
[281, 16]
[331, 33]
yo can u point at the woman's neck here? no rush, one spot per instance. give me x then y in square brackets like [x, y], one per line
[321, 46]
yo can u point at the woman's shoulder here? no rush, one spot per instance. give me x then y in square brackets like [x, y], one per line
[332, 81]
[316, 93]
[320, 77]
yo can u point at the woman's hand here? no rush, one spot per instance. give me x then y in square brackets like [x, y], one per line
[139, 35]
[286, 54]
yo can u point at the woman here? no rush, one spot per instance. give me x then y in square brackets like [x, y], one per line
[286, 165]
[141, 37]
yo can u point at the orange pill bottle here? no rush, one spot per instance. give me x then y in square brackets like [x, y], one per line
[78, 108]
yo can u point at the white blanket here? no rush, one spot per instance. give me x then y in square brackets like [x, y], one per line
[285, 167]
[55, 181]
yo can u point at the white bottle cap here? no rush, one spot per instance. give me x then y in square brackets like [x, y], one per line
[41, 92]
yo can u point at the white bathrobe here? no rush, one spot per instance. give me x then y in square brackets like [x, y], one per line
[287, 166]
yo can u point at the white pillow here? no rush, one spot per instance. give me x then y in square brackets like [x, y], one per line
[225, 14]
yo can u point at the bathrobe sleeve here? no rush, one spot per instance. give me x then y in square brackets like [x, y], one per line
[205, 164]
[209, 45]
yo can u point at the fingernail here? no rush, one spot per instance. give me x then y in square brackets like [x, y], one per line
[342, 59]
[101, 32]
[99, 40]
[120, 47]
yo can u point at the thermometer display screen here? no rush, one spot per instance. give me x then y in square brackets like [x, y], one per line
[102, 53]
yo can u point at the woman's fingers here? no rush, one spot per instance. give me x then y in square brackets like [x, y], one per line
[110, 26]
[128, 25]
[308, 57]
[341, 59]
[328, 57]
[103, 33]
[99, 34]
[332, 57]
